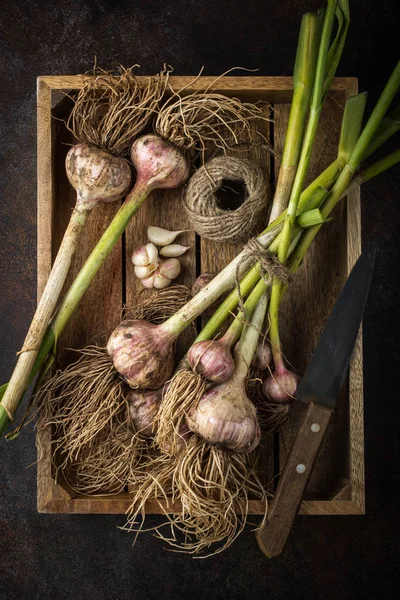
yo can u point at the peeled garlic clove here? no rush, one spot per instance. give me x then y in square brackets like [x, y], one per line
[170, 268]
[160, 281]
[173, 250]
[145, 271]
[162, 237]
[144, 255]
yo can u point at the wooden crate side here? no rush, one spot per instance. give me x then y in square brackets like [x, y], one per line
[117, 505]
[274, 89]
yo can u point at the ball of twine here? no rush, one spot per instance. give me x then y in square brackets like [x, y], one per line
[202, 207]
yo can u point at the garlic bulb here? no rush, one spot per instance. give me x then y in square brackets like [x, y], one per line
[201, 282]
[173, 250]
[142, 353]
[96, 176]
[145, 255]
[212, 359]
[263, 355]
[281, 387]
[225, 416]
[162, 237]
[143, 407]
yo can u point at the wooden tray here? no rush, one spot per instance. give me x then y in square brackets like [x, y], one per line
[337, 484]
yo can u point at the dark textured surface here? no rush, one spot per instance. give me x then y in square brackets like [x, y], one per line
[86, 557]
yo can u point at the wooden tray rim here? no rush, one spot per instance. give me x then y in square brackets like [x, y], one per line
[52, 498]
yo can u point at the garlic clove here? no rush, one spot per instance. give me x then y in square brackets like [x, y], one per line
[173, 250]
[152, 253]
[170, 268]
[144, 255]
[145, 271]
[148, 282]
[162, 237]
[160, 281]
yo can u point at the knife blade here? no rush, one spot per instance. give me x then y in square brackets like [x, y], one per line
[318, 390]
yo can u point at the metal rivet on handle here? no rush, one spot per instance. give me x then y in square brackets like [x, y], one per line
[301, 468]
[315, 427]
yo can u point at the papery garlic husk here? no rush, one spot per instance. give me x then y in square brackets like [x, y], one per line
[145, 255]
[97, 176]
[173, 250]
[143, 353]
[170, 268]
[212, 359]
[281, 386]
[226, 417]
[162, 237]
[144, 272]
[143, 406]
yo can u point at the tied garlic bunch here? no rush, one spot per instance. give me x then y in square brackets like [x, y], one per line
[149, 268]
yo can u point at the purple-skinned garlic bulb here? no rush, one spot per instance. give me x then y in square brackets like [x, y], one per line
[201, 282]
[158, 164]
[225, 416]
[212, 359]
[143, 406]
[263, 355]
[281, 386]
[97, 176]
[143, 353]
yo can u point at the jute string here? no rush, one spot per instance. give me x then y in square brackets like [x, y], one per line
[202, 207]
[269, 265]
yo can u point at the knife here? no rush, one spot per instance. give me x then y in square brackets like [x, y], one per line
[318, 390]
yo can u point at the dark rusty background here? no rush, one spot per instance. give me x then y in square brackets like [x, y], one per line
[87, 557]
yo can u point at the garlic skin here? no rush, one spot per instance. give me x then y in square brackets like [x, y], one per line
[145, 255]
[97, 176]
[225, 416]
[281, 387]
[162, 237]
[158, 164]
[143, 407]
[173, 250]
[142, 353]
[170, 268]
[212, 359]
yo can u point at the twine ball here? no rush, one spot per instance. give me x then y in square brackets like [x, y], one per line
[201, 203]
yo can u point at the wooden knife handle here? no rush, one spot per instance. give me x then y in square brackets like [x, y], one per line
[293, 480]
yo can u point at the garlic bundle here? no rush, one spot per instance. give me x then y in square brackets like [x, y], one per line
[153, 272]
